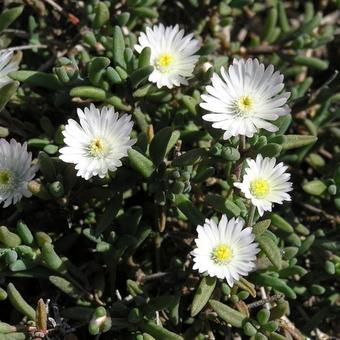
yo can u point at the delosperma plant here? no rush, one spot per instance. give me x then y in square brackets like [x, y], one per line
[169, 169]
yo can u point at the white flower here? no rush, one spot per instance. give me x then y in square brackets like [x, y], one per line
[98, 143]
[246, 99]
[172, 54]
[265, 183]
[15, 171]
[225, 251]
[7, 65]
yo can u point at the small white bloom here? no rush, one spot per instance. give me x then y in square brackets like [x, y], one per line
[97, 144]
[15, 171]
[226, 251]
[245, 99]
[7, 65]
[172, 54]
[265, 183]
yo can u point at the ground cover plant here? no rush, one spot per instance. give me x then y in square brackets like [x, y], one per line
[169, 169]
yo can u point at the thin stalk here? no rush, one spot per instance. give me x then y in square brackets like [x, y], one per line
[251, 215]
[238, 165]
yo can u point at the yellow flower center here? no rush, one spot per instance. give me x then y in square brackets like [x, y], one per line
[259, 188]
[244, 104]
[5, 177]
[222, 253]
[97, 147]
[164, 61]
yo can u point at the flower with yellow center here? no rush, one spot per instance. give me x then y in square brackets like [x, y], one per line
[265, 183]
[259, 187]
[245, 98]
[15, 171]
[163, 63]
[97, 147]
[172, 54]
[226, 250]
[221, 254]
[97, 144]
[5, 177]
[244, 105]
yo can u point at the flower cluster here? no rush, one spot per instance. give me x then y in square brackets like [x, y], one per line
[241, 100]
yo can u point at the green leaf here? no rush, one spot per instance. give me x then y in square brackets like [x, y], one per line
[274, 282]
[188, 209]
[65, 286]
[282, 16]
[6, 328]
[221, 204]
[315, 187]
[244, 284]
[140, 75]
[24, 233]
[297, 141]
[97, 69]
[270, 249]
[7, 92]
[113, 76]
[117, 102]
[145, 12]
[230, 154]
[262, 316]
[102, 15]
[90, 38]
[9, 15]
[229, 315]
[190, 103]
[52, 260]
[260, 227]
[161, 144]
[270, 24]
[47, 167]
[19, 303]
[56, 189]
[106, 218]
[133, 288]
[8, 238]
[311, 62]
[189, 158]
[249, 329]
[283, 123]
[281, 308]
[123, 18]
[203, 294]
[158, 332]
[270, 150]
[276, 336]
[118, 47]
[306, 244]
[36, 78]
[141, 163]
[144, 57]
[281, 223]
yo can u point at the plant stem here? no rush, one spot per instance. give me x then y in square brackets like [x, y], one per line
[24, 47]
[238, 165]
[251, 215]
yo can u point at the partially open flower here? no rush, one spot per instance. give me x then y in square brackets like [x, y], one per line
[172, 54]
[7, 65]
[226, 250]
[98, 143]
[15, 171]
[265, 183]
